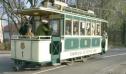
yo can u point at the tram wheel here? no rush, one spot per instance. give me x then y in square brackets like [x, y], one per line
[16, 68]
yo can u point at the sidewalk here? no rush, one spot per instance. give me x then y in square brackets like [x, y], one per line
[4, 52]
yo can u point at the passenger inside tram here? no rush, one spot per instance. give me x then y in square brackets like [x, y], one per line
[68, 27]
[88, 29]
[75, 28]
[29, 32]
[82, 28]
[98, 29]
[93, 29]
[23, 29]
[43, 29]
[75, 31]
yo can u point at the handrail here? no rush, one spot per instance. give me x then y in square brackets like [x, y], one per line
[30, 37]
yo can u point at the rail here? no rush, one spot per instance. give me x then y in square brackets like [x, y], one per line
[30, 37]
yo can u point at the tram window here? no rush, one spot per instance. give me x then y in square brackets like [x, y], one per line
[55, 27]
[93, 28]
[82, 28]
[98, 31]
[88, 28]
[42, 28]
[68, 27]
[103, 27]
[75, 28]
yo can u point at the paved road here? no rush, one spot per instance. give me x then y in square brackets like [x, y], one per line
[113, 62]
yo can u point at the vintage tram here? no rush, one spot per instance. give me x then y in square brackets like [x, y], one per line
[70, 33]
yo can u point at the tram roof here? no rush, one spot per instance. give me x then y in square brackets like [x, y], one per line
[34, 11]
[42, 11]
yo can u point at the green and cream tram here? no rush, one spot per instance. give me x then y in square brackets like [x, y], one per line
[71, 33]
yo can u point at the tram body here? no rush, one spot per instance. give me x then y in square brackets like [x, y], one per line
[30, 49]
[87, 40]
[37, 50]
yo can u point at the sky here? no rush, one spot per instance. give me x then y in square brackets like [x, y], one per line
[71, 2]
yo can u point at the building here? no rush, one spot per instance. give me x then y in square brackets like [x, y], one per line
[9, 30]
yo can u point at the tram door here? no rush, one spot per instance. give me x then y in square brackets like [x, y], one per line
[55, 45]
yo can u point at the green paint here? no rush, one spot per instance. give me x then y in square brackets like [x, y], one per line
[68, 16]
[85, 43]
[81, 43]
[55, 50]
[55, 59]
[96, 42]
[55, 38]
[76, 18]
[71, 43]
[83, 19]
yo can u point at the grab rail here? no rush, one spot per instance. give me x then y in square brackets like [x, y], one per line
[28, 37]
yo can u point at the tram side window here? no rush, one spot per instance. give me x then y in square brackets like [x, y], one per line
[93, 28]
[82, 28]
[68, 27]
[98, 31]
[88, 28]
[75, 28]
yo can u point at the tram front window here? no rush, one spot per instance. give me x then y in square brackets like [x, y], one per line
[42, 27]
[55, 27]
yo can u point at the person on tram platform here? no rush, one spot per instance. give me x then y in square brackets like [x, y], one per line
[104, 37]
[29, 32]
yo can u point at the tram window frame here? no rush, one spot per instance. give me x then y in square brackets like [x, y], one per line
[82, 27]
[68, 30]
[88, 27]
[75, 28]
